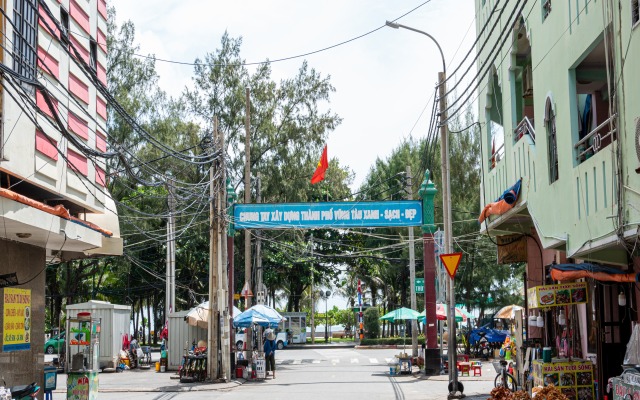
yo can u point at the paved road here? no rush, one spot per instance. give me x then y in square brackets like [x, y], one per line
[320, 373]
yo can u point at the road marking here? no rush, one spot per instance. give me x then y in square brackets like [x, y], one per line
[355, 361]
[296, 362]
[315, 362]
[373, 360]
[335, 361]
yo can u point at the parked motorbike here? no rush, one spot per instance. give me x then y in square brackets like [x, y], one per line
[24, 392]
[482, 349]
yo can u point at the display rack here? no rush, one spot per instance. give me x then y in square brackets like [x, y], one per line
[82, 349]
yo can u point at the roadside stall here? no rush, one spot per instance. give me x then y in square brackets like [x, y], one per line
[114, 322]
[627, 385]
[82, 348]
[560, 362]
[295, 326]
[256, 318]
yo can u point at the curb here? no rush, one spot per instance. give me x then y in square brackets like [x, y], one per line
[199, 387]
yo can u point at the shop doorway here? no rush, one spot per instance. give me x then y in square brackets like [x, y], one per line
[615, 330]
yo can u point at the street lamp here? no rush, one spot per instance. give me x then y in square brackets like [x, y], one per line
[325, 296]
[446, 204]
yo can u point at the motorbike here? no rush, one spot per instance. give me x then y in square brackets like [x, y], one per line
[482, 349]
[24, 392]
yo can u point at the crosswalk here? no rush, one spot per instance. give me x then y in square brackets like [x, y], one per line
[335, 361]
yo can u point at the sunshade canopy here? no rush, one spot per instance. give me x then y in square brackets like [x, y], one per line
[259, 314]
[400, 314]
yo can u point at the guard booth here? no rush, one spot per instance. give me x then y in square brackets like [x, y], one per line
[295, 325]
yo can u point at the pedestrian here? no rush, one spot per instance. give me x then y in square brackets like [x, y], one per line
[270, 351]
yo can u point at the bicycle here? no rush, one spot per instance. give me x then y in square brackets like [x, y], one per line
[504, 378]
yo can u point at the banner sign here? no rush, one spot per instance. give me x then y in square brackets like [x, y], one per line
[573, 378]
[557, 295]
[349, 214]
[17, 320]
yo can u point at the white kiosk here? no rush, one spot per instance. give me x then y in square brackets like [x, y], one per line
[296, 326]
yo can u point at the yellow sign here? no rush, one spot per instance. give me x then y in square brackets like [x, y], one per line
[451, 263]
[557, 295]
[17, 320]
[236, 296]
[573, 378]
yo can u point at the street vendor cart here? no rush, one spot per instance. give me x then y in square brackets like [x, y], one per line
[82, 349]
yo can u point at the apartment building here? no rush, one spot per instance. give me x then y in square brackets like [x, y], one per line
[559, 106]
[54, 204]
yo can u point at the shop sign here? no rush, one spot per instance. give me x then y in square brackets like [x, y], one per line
[17, 319]
[512, 249]
[557, 295]
[623, 390]
[574, 379]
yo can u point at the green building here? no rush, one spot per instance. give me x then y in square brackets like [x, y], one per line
[559, 107]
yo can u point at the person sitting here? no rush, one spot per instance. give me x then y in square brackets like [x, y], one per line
[270, 351]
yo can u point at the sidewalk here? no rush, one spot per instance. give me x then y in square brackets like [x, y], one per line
[148, 381]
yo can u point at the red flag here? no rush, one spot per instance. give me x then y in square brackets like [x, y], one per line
[323, 164]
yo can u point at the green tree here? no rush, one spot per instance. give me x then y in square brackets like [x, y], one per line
[371, 322]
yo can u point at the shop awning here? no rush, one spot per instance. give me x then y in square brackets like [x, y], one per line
[569, 272]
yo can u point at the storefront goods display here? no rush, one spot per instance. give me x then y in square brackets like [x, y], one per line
[626, 386]
[557, 295]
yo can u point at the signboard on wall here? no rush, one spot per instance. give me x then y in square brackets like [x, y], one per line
[16, 313]
[512, 249]
[347, 214]
[557, 295]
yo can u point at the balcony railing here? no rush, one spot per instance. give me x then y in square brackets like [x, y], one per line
[525, 127]
[496, 156]
[595, 140]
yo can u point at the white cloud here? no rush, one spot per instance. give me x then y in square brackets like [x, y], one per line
[382, 81]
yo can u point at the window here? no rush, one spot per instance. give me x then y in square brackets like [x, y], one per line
[635, 12]
[546, 9]
[552, 144]
[24, 37]
[64, 21]
[93, 54]
[77, 162]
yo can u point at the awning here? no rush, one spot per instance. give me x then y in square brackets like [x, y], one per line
[569, 272]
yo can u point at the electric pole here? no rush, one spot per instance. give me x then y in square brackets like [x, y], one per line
[247, 200]
[212, 353]
[412, 271]
[223, 306]
[170, 297]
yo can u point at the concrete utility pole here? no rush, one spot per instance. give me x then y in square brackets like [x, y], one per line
[260, 294]
[412, 271]
[432, 354]
[224, 306]
[247, 200]
[231, 198]
[313, 297]
[170, 294]
[212, 353]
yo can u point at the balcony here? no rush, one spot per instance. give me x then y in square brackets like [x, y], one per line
[525, 127]
[596, 140]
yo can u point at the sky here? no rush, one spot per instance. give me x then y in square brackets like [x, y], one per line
[384, 81]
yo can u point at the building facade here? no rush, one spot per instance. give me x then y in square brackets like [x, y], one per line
[54, 204]
[559, 106]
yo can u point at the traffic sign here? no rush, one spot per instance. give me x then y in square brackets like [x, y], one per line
[451, 262]
[419, 285]
[236, 296]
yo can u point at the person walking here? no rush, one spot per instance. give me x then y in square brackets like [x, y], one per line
[270, 351]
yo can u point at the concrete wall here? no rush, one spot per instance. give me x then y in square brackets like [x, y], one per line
[24, 367]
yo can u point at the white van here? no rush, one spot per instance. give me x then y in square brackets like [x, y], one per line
[281, 340]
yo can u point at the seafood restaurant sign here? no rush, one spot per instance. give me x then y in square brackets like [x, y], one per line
[328, 215]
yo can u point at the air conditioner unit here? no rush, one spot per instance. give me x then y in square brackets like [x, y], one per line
[527, 81]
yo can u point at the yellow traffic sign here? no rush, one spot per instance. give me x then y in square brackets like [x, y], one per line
[236, 296]
[451, 263]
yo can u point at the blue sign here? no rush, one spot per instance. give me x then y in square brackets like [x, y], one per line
[349, 214]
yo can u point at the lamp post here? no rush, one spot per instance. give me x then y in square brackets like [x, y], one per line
[454, 386]
[325, 295]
